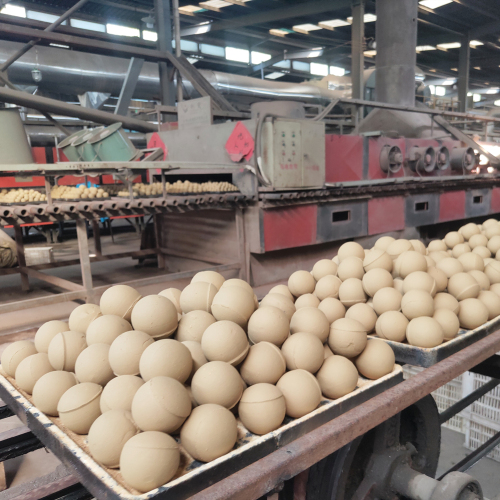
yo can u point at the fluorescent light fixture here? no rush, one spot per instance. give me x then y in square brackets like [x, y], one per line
[475, 43]
[116, 29]
[152, 36]
[370, 53]
[440, 91]
[274, 75]
[337, 71]
[87, 25]
[454, 69]
[259, 57]
[423, 48]
[432, 89]
[432, 70]
[367, 18]
[434, 4]
[283, 64]
[333, 23]
[212, 50]
[215, 5]
[187, 45]
[476, 97]
[42, 16]
[478, 68]
[305, 28]
[279, 32]
[13, 10]
[319, 69]
[492, 91]
[193, 60]
[469, 94]
[239, 55]
[60, 45]
[497, 103]
[450, 81]
[445, 46]
[301, 66]
[190, 10]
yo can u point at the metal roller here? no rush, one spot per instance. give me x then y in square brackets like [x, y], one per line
[422, 159]
[442, 157]
[463, 159]
[391, 159]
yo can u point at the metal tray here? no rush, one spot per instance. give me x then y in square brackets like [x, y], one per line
[425, 357]
[192, 476]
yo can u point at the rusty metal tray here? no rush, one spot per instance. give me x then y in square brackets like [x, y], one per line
[192, 476]
[425, 357]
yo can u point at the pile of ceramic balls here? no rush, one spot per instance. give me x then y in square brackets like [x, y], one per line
[80, 192]
[135, 370]
[156, 189]
[21, 196]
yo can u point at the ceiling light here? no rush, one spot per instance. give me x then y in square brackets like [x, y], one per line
[259, 57]
[333, 23]
[370, 53]
[492, 91]
[451, 81]
[476, 97]
[440, 91]
[149, 21]
[475, 43]
[497, 103]
[13, 10]
[116, 29]
[452, 45]
[319, 69]
[367, 18]
[478, 68]
[454, 69]
[423, 48]
[337, 71]
[434, 4]
[305, 28]
[432, 70]
[60, 45]
[239, 55]
[274, 75]
[279, 32]
[190, 10]
[214, 5]
[152, 36]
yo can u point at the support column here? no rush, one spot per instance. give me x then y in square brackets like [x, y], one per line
[164, 30]
[357, 41]
[83, 249]
[463, 72]
[21, 259]
[396, 37]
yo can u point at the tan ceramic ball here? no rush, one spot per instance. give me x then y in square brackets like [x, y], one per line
[383, 242]
[489, 222]
[494, 244]
[495, 288]
[167, 358]
[439, 277]
[268, 324]
[409, 262]
[473, 313]
[438, 256]
[81, 317]
[450, 266]
[436, 246]
[209, 277]
[481, 278]
[119, 300]
[478, 240]
[227, 341]
[307, 300]
[174, 295]
[15, 353]
[487, 261]
[47, 332]
[301, 282]
[156, 316]
[126, 350]
[377, 259]
[282, 290]
[420, 280]
[237, 282]
[351, 249]
[105, 329]
[92, 365]
[376, 360]
[192, 325]
[49, 388]
[463, 286]
[310, 320]
[262, 408]
[281, 302]
[327, 351]
[460, 249]
[424, 332]
[364, 314]
[471, 261]
[453, 238]
[492, 270]
[375, 279]
[337, 377]
[351, 292]
[324, 267]
[209, 433]
[264, 364]
[303, 351]
[301, 391]
[387, 299]
[446, 301]
[332, 308]
[32, 368]
[430, 262]
[398, 285]
[350, 267]
[391, 325]
[327, 286]
[448, 321]
[218, 383]
[149, 460]
[197, 296]
[65, 348]
[492, 230]
[469, 230]
[347, 337]
[197, 356]
[418, 246]
[108, 435]
[490, 299]
[417, 303]
[397, 247]
[119, 393]
[233, 303]
[161, 404]
[79, 407]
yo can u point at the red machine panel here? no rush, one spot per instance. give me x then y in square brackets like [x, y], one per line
[375, 145]
[344, 158]
[452, 206]
[495, 200]
[386, 214]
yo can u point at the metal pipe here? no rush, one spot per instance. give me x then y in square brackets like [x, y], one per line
[6, 212]
[35, 209]
[178, 52]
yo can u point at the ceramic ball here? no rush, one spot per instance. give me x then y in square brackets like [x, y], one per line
[460, 249]
[397, 247]
[424, 332]
[264, 364]
[282, 290]
[420, 280]
[332, 308]
[15, 353]
[119, 393]
[126, 350]
[337, 377]
[450, 266]
[417, 303]
[281, 302]
[350, 267]
[347, 337]
[64, 350]
[351, 292]
[301, 282]
[437, 246]
[481, 278]
[81, 317]
[387, 299]
[364, 314]
[418, 246]
[375, 279]
[492, 270]
[119, 300]
[105, 329]
[409, 262]
[209, 277]
[268, 324]
[307, 300]
[92, 365]
[490, 299]
[227, 341]
[493, 244]
[301, 391]
[439, 277]
[446, 301]
[327, 286]
[310, 320]
[32, 368]
[174, 295]
[193, 324]
[156, 316]
[448, 321]
[478, 240]
[453, 238]
[383, 242]
[351, 249]
[473, 313]
[324, 267]
[376, 360]
[47, 332]
[49, 388]
[233, 303]
[197, 296]
[391, 325]
[303, 351]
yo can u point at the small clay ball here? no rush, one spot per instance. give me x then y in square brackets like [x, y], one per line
[226, 341]
[453, 238]
[481, 278]
[303, 351]
[209, 432]
[450, 266]
[347, 337]
[351, 292]
[391, 325]
[327, 351]
[237, 282]
[218, 383]
[489, 222]
[398, 285]
[495, 288]
[119, 300]
[332, 308]
[156, 316]
[387, 299]
[174, 295]
[473, 313]
[301, 391]
[492, 230]
[418, 246]
[15, 353]
[383, 242]
[490, 299]
[119, 393]
[262, 408]
[446, 301]
[448, 321]
[487, 261]
[149, 460]
[307, 300]
[437, 256]
[281, 302]
[409, 262]
[463, 286]
[79, 407]
[375, 279]
[197, 296]
[420, 280]
[328, 286]
[417, 303]
[209, 277]
[65, 348]
[49, 388]
[337, 377]
[264, 364]
[47, 332]
[233, 303]
[436, 246]
[81, 317]
[310, 320]
[282, 290]
[126, 350]
[350, 249]
[108, 435]
[161, 404]
[350, 267]
[301, 282]
[478, 240]
[397, 247]
[364, 314]
[469, 230]
[424, 332]
[32, 368]
[268, 324]
[439, 277]
[105, 329]
[193, 324]
[377, 259]
[92, 365]
[482, 252]
[492, 270]
[324, 267]
[376, 360]
[494, 244]
[430, 262]
[167, 358]
[197, 356]
[460, 249]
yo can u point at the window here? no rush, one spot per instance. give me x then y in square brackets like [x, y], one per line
[150, 35]
[283, 64]
[239, 55]
[212, 50]
[452, 45]
[319, 69]
[301, 66]
[87, 25]
[258, 57]
[337, 71]
[305, 28]
[333, 23]
[434, 4]
[13, 10]
[187, 45]
[41, 16]
[275, 75]
[116, 29]
[432, 89]
[440, 91]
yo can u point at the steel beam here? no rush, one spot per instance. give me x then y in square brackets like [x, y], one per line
[129, 84]
[164, 44]
[357, 43]
[463, 72]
